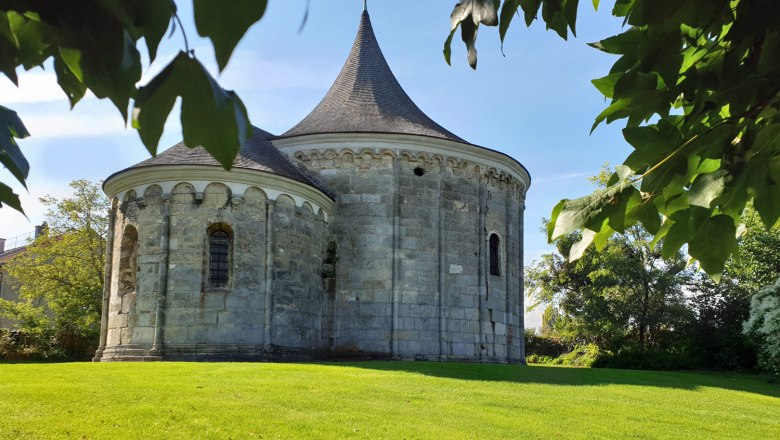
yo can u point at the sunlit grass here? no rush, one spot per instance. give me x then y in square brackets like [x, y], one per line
[379, 400]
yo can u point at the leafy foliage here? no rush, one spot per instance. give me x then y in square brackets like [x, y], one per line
[698, 85]
[700, 329]
[95, 46]
[60, 274]
[624, 294]
[764, 325]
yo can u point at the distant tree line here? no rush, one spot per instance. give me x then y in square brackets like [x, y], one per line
[629, 304]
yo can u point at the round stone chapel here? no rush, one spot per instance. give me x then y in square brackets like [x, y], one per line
[365, 231]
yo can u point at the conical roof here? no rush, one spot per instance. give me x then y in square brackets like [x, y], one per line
[366, 98]
[258, 153]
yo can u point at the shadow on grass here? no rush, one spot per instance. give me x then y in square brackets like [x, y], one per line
[551, 375]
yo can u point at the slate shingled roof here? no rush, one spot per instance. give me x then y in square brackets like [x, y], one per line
[258, 153]
[366, 97]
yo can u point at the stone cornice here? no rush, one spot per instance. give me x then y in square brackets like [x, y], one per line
[200, 176]
[398, 145]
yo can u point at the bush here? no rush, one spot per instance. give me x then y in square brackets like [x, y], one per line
[17, 345]
[582, 356]
[539, 359]
[637, 358]
[764, 326]
[544, 346]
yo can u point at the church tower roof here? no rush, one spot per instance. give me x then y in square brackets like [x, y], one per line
[367, 98]
[257, 153]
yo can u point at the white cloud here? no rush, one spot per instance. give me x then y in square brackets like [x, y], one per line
[33, 88]
[75, 124]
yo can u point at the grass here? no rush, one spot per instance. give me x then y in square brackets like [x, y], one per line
[379, 400]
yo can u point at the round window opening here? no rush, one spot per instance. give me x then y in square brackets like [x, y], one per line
[419, 171]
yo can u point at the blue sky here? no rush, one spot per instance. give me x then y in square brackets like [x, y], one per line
[535, 104]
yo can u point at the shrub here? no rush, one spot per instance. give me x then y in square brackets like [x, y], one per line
[544, 345]
[539, 359]
[582, 356]
[764, 326]
[637, 358]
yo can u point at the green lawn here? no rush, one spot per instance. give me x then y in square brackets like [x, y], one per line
[379, 400]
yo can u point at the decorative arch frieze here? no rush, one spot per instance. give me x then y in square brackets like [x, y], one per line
[362, 157]
[217, 192]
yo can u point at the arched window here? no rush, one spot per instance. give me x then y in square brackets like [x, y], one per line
[495, 255]
[219, 257]
[128, 260]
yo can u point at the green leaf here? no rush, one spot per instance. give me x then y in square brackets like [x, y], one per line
[468, 15]
[707, 187]
[211, 117]
[578, 249]
[713, 243]
[672, 172]
[602, 237]
[554, 16]
[646, 213]
[619, 44]
[767, 203]
[32, 38]
[770, 53]
[106, 60]
[149, 19]
[617, 219]
[570, 11]
[774, 168]
[662, 232]
[651, 144]
[596, 5]
[676, 235]
[508, 11]
[153, 18]
[68, 81]
[735, 197]
[8, 53]
[588, 211]
[553, 218]
[530, 10]
[768, 138]
[10, 155]
[226, 22]
[618, 109]
[606, 85]
[9, 198]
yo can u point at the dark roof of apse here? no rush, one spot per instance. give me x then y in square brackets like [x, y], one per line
[258, 153]
[367, 98]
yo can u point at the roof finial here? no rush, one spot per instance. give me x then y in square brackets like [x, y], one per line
[365, 5]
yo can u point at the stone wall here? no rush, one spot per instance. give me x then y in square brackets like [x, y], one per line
[174, 313]
[411, 231]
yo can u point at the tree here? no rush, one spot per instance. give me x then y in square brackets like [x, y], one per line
[698, 83]
[722, 308]
[624, 294]
[764, 325]
[94, 45]
[699, 319]
[61, 273]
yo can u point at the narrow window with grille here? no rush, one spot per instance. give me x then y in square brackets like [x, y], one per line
[219, 248]
[495, 255]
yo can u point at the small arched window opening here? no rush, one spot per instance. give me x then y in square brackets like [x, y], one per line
[128, 260]
[219, 256]
[495, 255]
